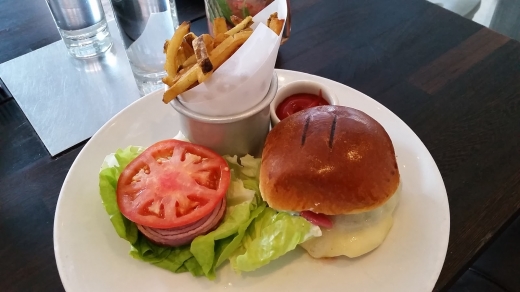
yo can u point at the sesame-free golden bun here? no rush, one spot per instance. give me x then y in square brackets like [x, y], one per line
[333, 160]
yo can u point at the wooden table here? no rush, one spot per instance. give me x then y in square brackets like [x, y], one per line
[454, 82]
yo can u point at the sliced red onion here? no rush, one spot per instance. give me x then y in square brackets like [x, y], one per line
[185, 234]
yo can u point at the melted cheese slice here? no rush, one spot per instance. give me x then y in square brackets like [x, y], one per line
[356, 234]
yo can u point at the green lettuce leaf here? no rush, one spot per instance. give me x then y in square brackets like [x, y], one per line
[108, 176]
[174, 259]
[271, 235]
[214, 248]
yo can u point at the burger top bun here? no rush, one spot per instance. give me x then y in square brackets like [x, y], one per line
[333, 160]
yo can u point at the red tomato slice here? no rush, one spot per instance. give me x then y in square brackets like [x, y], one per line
[317, 219]
[171, 184]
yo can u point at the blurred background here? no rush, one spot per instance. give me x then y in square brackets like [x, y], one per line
[502, 16]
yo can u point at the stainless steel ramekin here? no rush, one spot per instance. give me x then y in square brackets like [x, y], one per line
[239, 134]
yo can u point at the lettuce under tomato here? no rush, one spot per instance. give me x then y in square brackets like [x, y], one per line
[250, 235]
[108, 176]
[178, 259]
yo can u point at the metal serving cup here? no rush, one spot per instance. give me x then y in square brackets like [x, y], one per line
[239, 134]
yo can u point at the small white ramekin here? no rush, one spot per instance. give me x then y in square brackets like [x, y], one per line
[295, 87]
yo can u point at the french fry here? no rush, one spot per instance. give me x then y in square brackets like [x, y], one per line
[189, 37]
[274, 15]
[188, 52]
[219, 25]
[191, 59]
[219, 39]
[165, 46]
[180, 58]
[244, 24]
[236, 20]
[173, 48]
[182, 84]
[201, 76]
[189, 62]
[276, 25]
[168, 80]
[180, 73]
[208, 41]
[187, 49]
[221, 53]
[201, 53]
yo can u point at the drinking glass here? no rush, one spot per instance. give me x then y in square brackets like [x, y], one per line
[82, 26]
[144, 26]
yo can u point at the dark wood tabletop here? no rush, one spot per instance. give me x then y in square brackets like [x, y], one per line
[454, 82]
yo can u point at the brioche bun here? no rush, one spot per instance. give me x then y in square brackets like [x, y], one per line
[333, 160]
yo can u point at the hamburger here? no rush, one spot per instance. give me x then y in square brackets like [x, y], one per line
[335, 166]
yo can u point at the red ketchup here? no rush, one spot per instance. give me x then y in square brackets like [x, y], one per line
[298, 102]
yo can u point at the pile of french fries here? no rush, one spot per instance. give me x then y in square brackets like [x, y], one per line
[191, 59]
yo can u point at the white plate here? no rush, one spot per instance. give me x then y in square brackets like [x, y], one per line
[91, 257]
